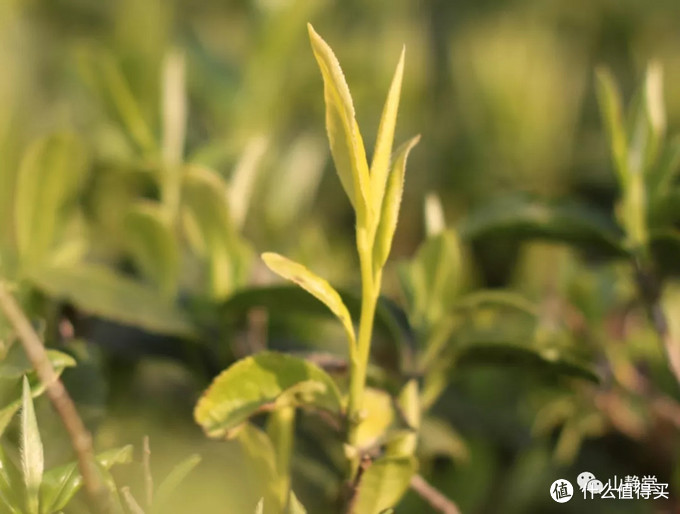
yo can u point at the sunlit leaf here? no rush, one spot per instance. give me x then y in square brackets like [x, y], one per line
[316, 286]
[103, 292]
[60, 484]
[383, 484]
[294, 505]
[256, 384]
[380, 164]
[389, 211]
[32, 458]
[345, 139]
[170, 483]
[51, 174]
[378, 417]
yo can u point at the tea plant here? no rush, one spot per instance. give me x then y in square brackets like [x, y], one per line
[275, 381]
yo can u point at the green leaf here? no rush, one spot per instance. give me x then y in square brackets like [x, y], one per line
[610, 102]
[51, 174]
[383, 144]
[210, 230]
[60, 484]
[404, 444]
[389, 211]
[16, 364]
[7, 412]
[347, 146]
[383, 484]
[259, 383]
[9, 489]
[495, 299]
[527, 217]
[103, 292]
[169, 485]
[432, 277]
[514, 354]
[261, 468]
[314, 285]
[152, 243]
[378, 419]
[32, 458]
[439, 439]
[113, 84]
[285, 300]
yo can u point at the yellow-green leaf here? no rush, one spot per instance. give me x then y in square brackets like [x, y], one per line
[151, 241]
[389, 211]
[377, 419]
[347, 146]
[383, 484]
[262, 382]
[383, 144]
[210, 230]
[316, 286]
[610, 105]
[51, 174]
[32, 458]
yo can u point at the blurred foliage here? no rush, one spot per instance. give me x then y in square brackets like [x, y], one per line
[150, 150]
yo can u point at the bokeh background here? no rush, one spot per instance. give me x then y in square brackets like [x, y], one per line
[503, 95]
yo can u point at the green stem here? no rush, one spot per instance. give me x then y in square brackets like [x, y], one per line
[370, 290]
[281, 430]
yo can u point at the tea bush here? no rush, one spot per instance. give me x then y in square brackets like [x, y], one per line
[449, 351]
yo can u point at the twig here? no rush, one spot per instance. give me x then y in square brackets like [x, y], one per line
[130, 501]
[433, 496]
[81, 440]
[148, 477]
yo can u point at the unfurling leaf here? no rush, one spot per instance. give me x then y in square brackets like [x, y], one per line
[316, 286]
[389, 211]
[346, 144]
[383, 144]
[260, 382]
[32, 458]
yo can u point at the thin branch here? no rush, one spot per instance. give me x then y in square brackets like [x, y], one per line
[433, 496]
[81, 440]
[130, 501]
[148, 477]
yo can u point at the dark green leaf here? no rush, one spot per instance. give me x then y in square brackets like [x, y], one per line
[526, 217]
